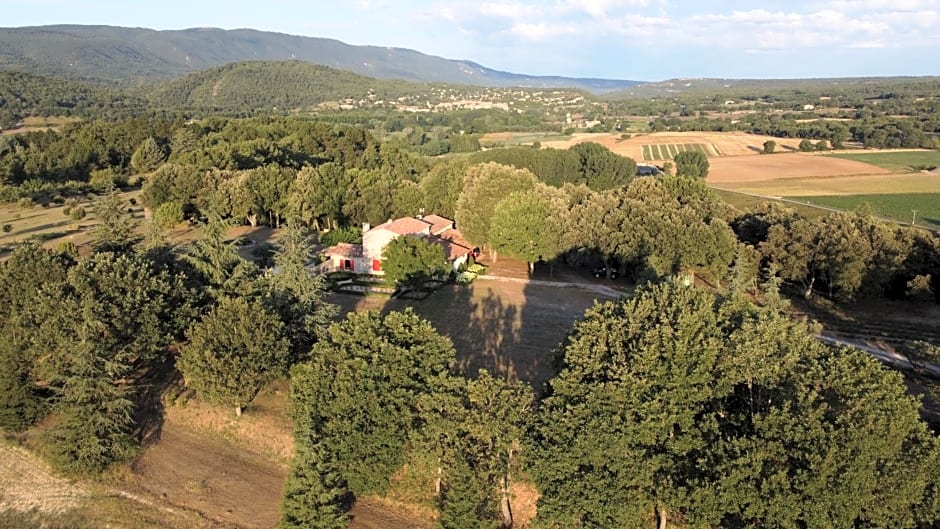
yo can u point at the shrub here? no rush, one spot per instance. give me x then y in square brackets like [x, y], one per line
[7, 228]
[25, 203]
[465, 278]
[351, 234]
[476, 269]
[78, 213]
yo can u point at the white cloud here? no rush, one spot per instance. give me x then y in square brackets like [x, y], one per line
[833, 24]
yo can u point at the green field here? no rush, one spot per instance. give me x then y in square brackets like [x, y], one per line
[668, 151]
[743, 202]
[894, 161]
[897, 207]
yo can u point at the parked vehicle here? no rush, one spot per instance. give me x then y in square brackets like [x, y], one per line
[601, 271]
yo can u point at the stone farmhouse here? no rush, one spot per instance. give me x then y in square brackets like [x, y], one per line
[366, 258]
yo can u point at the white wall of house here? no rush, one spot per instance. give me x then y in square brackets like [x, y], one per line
[374, 241]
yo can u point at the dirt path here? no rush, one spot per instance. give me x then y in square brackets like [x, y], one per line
[603, 290]
[196, 471]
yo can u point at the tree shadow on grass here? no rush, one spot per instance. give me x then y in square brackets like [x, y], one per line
[160, 379]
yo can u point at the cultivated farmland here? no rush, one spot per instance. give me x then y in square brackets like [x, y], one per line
[713, 143]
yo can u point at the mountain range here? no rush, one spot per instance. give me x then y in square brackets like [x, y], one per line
[126, 56]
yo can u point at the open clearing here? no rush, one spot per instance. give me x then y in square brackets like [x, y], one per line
[721, 143]
[899, 207]
[761, 167]
[877, 184]
[509, 328]
[895, 161]
[39, 123]
[50, 225]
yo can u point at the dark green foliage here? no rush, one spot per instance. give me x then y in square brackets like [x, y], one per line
[691, 163]
[466, 502]
[102, 329]
[484, 186]
[114, 231]
[412, 261]
[442, 186]
[288, 85]
[233, 352]
[351, 234]
[676, 402]
[846, 255]
[218, 267]
[76, 151]
[21, 402]
[23, 277]
[148, 156]
[359, 394]
[655, 228]
[26, 94]
[585, 163]
[315, 495]
[95, 405]
[296, 294]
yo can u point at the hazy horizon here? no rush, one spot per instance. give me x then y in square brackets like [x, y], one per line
[645, 40]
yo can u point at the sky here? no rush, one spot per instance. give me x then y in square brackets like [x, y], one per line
[646, 40]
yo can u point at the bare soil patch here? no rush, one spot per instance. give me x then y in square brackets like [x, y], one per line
[756, 168]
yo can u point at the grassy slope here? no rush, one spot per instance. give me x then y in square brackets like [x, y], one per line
[899, 161]
[743, 202]
[898, 207]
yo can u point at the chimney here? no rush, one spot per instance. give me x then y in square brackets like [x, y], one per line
[366, 227]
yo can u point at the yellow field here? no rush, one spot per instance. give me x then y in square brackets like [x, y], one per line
[37, 123]
[871, 184]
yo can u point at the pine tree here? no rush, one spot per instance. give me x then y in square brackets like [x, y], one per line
[315, 495]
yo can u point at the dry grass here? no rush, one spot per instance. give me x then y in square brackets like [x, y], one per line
[27, 484]
[757, 168]
[871, 184]
[50, 225]
[39, 123]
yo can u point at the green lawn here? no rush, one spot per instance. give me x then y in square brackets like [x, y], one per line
[894, 161]
[743, 202]
[896, 207]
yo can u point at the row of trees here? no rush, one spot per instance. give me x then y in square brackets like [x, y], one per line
[650, 228]
[844, 255]
[676, 404]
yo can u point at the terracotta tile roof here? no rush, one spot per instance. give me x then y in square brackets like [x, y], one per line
[344, 249]
[438, 223]
[453, 235]
[452, 249]
[405, 226]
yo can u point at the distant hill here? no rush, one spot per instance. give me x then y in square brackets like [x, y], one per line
[712, 86]
[285, 85]
[25, 94]
[125, 56]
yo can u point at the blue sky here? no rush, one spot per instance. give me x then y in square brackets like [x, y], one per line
[623, 39]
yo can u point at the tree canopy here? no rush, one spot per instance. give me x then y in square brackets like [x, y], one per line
[678, 403]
